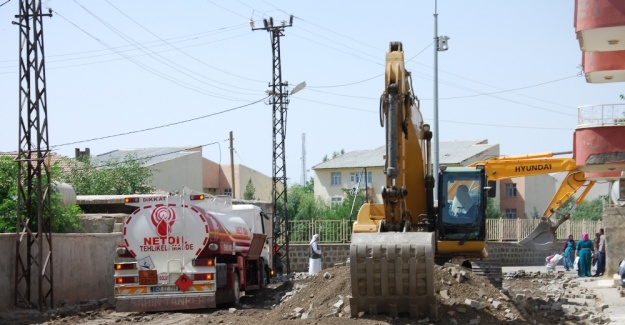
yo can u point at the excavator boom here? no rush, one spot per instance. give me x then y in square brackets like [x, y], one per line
[544, 235]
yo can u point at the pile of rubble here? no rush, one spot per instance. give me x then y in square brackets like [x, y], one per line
[463, 298]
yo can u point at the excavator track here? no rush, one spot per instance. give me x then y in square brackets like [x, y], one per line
[393, 273]
[489, 269]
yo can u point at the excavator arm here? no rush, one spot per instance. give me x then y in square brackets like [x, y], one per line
[506, 167]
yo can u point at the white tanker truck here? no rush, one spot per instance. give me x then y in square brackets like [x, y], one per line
[189, 251]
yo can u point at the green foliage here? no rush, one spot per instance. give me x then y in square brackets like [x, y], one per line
[590, 210]
[250, 190]
[493, 211]
[64, 218]
[8, 194]
[303, 205]
[334, 155]
[535, 214]
[113, 177]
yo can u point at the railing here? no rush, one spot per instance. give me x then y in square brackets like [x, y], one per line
[601, 115]
[339, 231]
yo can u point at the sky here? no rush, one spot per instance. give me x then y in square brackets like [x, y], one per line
[144, 74]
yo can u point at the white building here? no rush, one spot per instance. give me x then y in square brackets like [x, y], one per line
[519, 197]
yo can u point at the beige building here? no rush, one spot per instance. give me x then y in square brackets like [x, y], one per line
[525, 197]
[518, 197]
[177, 167]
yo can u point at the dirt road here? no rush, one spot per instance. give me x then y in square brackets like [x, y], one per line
[526, 298]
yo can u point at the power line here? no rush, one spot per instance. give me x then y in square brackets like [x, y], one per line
[174, 66]
[109, 163]
[143, 66]
[161, 126]
[449, 121]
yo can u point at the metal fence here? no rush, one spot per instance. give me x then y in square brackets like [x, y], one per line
[339, 231]
[601, 115]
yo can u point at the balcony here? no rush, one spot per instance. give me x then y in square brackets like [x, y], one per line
[598, 146]
[600, 30]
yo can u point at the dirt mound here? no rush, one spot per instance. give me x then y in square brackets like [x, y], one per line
[463, 298]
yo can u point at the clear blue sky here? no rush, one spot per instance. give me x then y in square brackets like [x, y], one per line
[512, 74]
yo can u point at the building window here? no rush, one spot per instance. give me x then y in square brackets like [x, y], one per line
[228, 191]
[336, 201]
[355, 178]
[511, 213]
[511, 189]
[336, 178]
[211, 190]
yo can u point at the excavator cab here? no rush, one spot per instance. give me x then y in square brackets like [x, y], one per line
[461, 225]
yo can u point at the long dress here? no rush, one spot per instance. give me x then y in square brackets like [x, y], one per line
[584, 248]
[569, 254]
[314, 262]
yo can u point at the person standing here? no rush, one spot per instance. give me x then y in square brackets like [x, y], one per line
[584, 251]
[594, 256]
[601, 254]
[314, 256]
[568, 252]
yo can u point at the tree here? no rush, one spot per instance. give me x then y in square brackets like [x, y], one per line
[334, 155]
[493, 211]
[590, 210]
[249, 191]
[112, 177]
[64, 218]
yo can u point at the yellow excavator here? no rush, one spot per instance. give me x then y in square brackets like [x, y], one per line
[395, 244]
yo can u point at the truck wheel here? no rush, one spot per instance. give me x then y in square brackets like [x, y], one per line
[263, 277]
[236, 290]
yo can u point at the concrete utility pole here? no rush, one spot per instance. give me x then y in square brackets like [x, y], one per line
[440, 45]
[232, 166]
[304, 176]
[280, 100]
[33, 252]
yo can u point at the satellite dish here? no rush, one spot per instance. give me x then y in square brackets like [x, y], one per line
[617, 194]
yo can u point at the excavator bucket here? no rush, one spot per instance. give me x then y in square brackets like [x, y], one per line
[541, 238]
[393, 273]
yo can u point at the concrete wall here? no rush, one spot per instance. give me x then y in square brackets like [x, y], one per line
[82, 268]
[82, 263]
[614, 226]
[539, 191]
[169, 176]
[509, 254]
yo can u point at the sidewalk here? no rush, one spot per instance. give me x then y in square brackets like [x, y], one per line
[605, 288]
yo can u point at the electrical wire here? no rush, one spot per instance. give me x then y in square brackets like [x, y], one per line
[182, 52]
[160, 126]
[161, 59]
[141, 65]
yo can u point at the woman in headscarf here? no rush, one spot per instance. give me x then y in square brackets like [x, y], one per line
[568, 252]
[584, 250]
[314, 256]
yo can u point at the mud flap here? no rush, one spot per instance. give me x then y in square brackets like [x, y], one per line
[541, 238]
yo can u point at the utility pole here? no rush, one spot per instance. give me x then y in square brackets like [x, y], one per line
[33, 250]
[232, 166]
[440, 45]
[304, 179]
[280, 100]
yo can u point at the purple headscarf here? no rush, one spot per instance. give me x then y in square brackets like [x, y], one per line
[585, 236]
